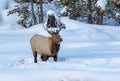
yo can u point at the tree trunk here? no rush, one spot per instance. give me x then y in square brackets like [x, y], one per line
[50, 1]
[73, 11]
[38, 8]
[41, 10]
[100, 17]
[89, 12]
[33, 14]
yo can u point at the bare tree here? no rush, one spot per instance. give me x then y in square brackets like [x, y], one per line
[99, 17]
[33, 14]
[89, 6]
[41, 10]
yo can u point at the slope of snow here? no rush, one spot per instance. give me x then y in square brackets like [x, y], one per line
[8, 22]
[87, 53]
[3, 4]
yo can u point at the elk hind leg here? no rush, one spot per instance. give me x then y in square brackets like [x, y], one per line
[35, 56]
[44, 57]
[55, 58]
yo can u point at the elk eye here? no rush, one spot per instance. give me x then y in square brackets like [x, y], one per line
[61, 39]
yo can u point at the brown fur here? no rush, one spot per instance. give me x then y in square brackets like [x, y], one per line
[45, 46]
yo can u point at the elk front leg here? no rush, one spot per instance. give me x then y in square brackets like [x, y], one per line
[55, 58]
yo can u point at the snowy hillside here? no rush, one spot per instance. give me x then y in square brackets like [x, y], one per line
[88, 52]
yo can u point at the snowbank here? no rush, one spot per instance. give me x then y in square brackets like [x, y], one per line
[11, 19]
[84, 31]
[79, 58]
[9, 22]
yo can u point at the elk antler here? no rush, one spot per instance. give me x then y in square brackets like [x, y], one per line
[54, 31]
[61, 26]
[51, 32]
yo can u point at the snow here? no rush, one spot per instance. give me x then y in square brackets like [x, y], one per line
[88, 53]
[3, 4]
[11, 4]
[64, 10]
[8, 21]
[12, 19]
[51, 12]
[117, 14]
[102, 4]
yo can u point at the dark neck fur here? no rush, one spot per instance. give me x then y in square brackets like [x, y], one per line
[54, 47]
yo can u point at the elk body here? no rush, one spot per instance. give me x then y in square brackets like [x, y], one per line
[46, 46]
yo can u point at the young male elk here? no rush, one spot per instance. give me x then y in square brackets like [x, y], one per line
[46, 46]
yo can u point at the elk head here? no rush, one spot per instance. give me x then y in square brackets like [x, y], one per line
[56, 38]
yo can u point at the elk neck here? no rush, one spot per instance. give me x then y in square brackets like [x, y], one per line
[54, 47]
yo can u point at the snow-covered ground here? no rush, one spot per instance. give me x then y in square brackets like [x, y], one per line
[87, 53]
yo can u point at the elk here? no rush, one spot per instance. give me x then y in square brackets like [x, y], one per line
[46, 46]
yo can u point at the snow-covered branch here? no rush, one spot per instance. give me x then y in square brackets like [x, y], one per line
[102, 4]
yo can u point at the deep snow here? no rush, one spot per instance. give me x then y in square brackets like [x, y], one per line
[87, 53]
